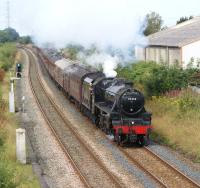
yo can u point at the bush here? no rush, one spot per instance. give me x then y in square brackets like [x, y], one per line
[71, 51]
[165, 79]
[156, 79]
[6, 175]
[2, 140]
[25, 40]
[7, 53]
[189, 101]
[6, 66]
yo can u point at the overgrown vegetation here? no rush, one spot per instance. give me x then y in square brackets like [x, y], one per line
[7, 53]
[12, 173]
[155, 79]
[176, 121]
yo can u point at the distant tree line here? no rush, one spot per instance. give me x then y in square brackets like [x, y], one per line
[183, 19]
[11, 35]
[72, 50]
[154, 23]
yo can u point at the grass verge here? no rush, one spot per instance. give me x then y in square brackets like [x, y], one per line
[12, 173]
[176, 122]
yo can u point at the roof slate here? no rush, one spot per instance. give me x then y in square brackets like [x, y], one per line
[177, 36]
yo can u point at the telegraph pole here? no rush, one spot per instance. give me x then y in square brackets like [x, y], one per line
[8, 13]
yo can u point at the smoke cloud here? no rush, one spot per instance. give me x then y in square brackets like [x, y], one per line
[102, 22]
[113, 23]
[102, 60]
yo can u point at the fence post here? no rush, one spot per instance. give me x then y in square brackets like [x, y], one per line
[21, 145]
[11, 97]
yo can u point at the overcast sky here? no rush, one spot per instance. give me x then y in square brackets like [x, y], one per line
[112, 21]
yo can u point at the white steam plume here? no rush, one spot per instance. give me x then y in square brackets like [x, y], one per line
[103, 22]
[115, 23]
[106, 61]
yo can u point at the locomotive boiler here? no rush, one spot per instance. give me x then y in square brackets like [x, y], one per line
[120, 92]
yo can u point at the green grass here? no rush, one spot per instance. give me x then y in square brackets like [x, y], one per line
[176, 122]
[20, 175]
[7, 54]
[12, 173]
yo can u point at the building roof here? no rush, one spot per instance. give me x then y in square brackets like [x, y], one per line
[64, 63]
[177, 36]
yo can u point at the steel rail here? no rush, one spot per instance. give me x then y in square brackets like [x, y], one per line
[77, 135]
[75, 167]
[172, 167]
[138, 164]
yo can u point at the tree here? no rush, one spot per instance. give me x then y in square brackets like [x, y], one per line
[3, 37]
[183, 19]
[8, 35]
[25, 40]
[72, 50]
[164, 28]
[11, 34]
[153, 23]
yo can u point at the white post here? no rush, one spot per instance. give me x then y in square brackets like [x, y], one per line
[21, 145]
[23, 101]
[11, 102]
[12, 86]
[12, 97]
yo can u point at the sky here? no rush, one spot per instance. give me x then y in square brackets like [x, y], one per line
[106, 22]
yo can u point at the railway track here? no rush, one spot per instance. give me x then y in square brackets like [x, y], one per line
[159, 170]
[90, 169]
[164, 174]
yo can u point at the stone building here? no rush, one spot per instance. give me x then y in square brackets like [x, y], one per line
[178, 44]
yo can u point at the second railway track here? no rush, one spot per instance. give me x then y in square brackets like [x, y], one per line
[89, 167]
[158, 169]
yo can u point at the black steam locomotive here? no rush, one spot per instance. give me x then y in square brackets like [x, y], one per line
[111, 103]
